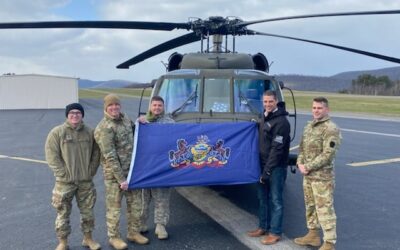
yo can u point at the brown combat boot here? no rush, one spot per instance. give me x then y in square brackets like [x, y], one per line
[161, 232]
[312, 238]
[63, 244]
[117, 243]
[89, 242]
[137, 238]
[327, 246]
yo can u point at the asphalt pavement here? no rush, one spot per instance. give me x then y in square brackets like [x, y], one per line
[366, 197]
[27, 217]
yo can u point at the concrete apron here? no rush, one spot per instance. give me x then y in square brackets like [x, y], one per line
[235, 220]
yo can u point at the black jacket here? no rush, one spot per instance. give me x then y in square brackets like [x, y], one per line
[275, 141]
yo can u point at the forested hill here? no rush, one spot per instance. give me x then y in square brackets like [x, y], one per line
[333, 83]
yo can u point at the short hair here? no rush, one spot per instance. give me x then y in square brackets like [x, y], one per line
[321, 99]
[270, 93]
[157, 98]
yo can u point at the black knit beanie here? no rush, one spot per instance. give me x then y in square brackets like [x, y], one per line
[72, 106]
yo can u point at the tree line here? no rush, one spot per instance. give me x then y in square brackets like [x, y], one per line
[367, 84]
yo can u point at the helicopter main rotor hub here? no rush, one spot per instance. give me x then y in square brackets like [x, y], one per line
[217, 25]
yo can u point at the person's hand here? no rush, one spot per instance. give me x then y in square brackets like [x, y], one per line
[142, 119]
[124, 185]
[264, 178]
[302, 169]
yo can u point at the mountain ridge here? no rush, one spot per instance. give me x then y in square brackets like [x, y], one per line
[334, 83]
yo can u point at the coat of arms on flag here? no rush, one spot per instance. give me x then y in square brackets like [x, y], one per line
[200, 154]
[186, 154]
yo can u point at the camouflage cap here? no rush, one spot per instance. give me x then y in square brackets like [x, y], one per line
[111, 99]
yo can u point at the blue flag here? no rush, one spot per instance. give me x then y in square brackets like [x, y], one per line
[186, 154]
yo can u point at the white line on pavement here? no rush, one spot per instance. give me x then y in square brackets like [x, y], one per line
[367, 163]
[22, 159]
[369, 132]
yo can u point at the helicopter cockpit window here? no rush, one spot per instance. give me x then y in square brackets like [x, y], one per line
[216, 95]
[248, 95]
[180, 95]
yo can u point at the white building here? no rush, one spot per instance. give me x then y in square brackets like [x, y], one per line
[33, 91]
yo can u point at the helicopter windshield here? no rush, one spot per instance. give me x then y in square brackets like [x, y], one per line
[248, 94]
[180, 95]
[217, 95]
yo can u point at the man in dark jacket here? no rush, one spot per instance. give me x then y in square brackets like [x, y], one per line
[274, 155]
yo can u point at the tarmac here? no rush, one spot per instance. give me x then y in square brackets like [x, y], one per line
[234, 219]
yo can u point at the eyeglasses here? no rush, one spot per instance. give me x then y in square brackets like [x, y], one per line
[75, 113]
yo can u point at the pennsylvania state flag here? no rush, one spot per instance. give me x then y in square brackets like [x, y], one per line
[186, 154]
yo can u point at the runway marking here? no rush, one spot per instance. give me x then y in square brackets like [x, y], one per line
[367, 163]
[22, 159]
[369, 132]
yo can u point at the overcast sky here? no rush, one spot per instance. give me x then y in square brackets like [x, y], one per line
[93, 53]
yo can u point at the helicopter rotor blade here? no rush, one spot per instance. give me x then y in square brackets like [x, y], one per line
[171, 44]
[97, 25]
[362, 52]
[356, 13]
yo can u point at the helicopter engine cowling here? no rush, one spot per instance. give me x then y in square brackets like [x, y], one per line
[217, 61]
[261, 62]
[174, 61]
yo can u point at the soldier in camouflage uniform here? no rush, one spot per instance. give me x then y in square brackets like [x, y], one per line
[160, 195]
[73, 155]
[114, 135]
[320, 141]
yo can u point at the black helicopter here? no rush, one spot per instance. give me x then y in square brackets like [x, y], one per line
[217, 83]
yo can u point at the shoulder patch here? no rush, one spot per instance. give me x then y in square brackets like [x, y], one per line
[279, 139]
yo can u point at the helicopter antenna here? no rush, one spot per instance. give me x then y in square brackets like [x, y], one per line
[226, 43]
[234, 43]
[201, 48]
[165, 65]
[208, 42]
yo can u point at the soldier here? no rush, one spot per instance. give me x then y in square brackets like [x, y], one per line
[319, 143]
[160, 195]
[274, 152]
[114, 135]
[73, 155]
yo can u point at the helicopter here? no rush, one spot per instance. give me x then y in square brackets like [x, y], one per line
[216, 84]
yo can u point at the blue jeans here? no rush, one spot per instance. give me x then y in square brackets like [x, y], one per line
[270, 196]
